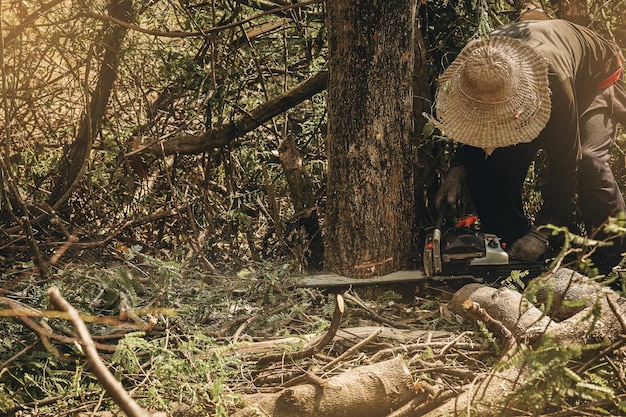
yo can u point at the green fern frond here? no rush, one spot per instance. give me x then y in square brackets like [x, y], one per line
[593, 392]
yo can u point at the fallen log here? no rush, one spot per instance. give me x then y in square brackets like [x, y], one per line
[571, 296]
[581, 311]
[367, 391]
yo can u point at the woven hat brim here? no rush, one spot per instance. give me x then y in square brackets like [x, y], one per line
[521, 118]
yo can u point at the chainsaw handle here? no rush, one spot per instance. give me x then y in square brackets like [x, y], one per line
[439, 221]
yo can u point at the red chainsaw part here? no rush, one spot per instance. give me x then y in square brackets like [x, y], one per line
[467, 221]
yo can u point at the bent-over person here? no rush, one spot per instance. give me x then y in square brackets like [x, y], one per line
[544, 84]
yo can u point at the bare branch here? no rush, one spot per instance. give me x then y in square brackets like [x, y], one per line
[177, 34]
[315, 346]
[112, 386]
[15, 31]
[195, 144]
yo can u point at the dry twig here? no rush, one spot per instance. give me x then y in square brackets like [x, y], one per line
[473, 309]
[353, 349]
[357, 300]
[112, 386]
[315, 346]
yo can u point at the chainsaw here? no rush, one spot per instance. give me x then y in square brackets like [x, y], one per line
[464, 251]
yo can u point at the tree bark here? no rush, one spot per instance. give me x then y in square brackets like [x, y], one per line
[74, 162]
[370, 204]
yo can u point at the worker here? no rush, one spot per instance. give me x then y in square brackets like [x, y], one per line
[531, 85]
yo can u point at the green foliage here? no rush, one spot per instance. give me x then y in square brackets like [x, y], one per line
[191, 371]
[8, 399]
[177, 364]
[549, 379]
[516, 279]
[490, 338]
[583, 246]
[616, 226]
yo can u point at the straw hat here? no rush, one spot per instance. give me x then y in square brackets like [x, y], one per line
[495, 94]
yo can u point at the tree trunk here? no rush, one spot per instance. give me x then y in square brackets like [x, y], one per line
[580, 309]
[428, 156]
[309, 243]
[74, 162]
[370, 204]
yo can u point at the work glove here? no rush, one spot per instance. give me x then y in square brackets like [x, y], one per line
[532, 246]
[451, 189]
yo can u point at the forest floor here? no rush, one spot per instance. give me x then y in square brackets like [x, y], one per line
[184, 342]
[195, 344]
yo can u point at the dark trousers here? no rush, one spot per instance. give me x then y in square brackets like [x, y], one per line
[495, 183]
